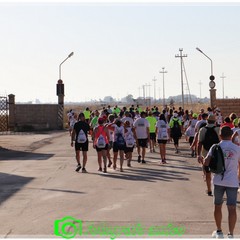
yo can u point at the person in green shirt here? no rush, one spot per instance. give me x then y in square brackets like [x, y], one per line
[87, 114]
[152, 129]
[139, 109]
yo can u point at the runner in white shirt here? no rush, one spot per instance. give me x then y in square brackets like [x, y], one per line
[141, 126]
[228, 183]
[127, 117]
[163, 133]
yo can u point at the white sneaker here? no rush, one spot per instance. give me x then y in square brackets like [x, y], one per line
[230, 235]
[217, 234]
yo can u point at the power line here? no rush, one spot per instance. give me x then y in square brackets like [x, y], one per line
[189, 93]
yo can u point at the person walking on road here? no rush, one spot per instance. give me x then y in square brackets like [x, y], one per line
[130, 142]
[119, 143]
[208, 136]
[163, 133]
[228, 183]
[100, 143]
[152, 129]
[80, 136]
[175, 130]
[141, 127]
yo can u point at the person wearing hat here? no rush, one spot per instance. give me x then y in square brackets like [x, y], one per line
[175, 125]
[208, 135]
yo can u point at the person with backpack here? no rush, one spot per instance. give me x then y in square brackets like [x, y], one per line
[202, 122]
[175, 125]
[208, 135]
[163, 133]
[225, 182]
[118, 142]
[100, 143]
[80, 136]
[130, 141]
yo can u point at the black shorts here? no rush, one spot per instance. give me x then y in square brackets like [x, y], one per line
[175, 140]
[117, 148]
[143, 142]
[128, 149]
[81, 146]
[191, 140]
[161, 141]
[100, 149]
[110, 145]
[206, 169]
[153, 136]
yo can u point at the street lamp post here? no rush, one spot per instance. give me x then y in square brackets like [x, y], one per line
[60, 94]
[211, 83]
[70, 55]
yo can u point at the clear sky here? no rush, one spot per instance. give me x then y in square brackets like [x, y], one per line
[117, 48]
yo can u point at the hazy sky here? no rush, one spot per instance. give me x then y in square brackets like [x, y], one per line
[117, 48]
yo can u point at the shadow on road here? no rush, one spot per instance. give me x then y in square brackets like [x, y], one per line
[8, 154]
[149, 175]
[57, 190]
[10, 184]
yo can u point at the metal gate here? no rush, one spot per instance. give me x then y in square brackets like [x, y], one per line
[3, 114]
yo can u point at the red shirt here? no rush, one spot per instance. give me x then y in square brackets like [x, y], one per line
[227, 124]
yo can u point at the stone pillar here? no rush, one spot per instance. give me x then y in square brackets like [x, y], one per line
[11, 119]
[60, 94]
[212, 97]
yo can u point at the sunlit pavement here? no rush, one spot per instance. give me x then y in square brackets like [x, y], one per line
[39, 185]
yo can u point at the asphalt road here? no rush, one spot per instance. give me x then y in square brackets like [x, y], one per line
[39, 185]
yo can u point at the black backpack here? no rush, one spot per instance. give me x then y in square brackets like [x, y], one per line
[210, 138]
[175, 130]
[217, 162]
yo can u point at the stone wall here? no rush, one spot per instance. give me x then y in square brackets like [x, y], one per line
[227, 106]
[31, 117]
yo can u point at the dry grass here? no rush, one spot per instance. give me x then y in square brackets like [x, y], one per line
[78, 108]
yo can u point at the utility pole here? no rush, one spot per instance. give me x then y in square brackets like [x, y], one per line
[147, 92]
[163, 86]
[143, 91]
[181, 62]
[154, 81]
[200, 87]
[139, 89]
[223, 83]
[159, 90]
